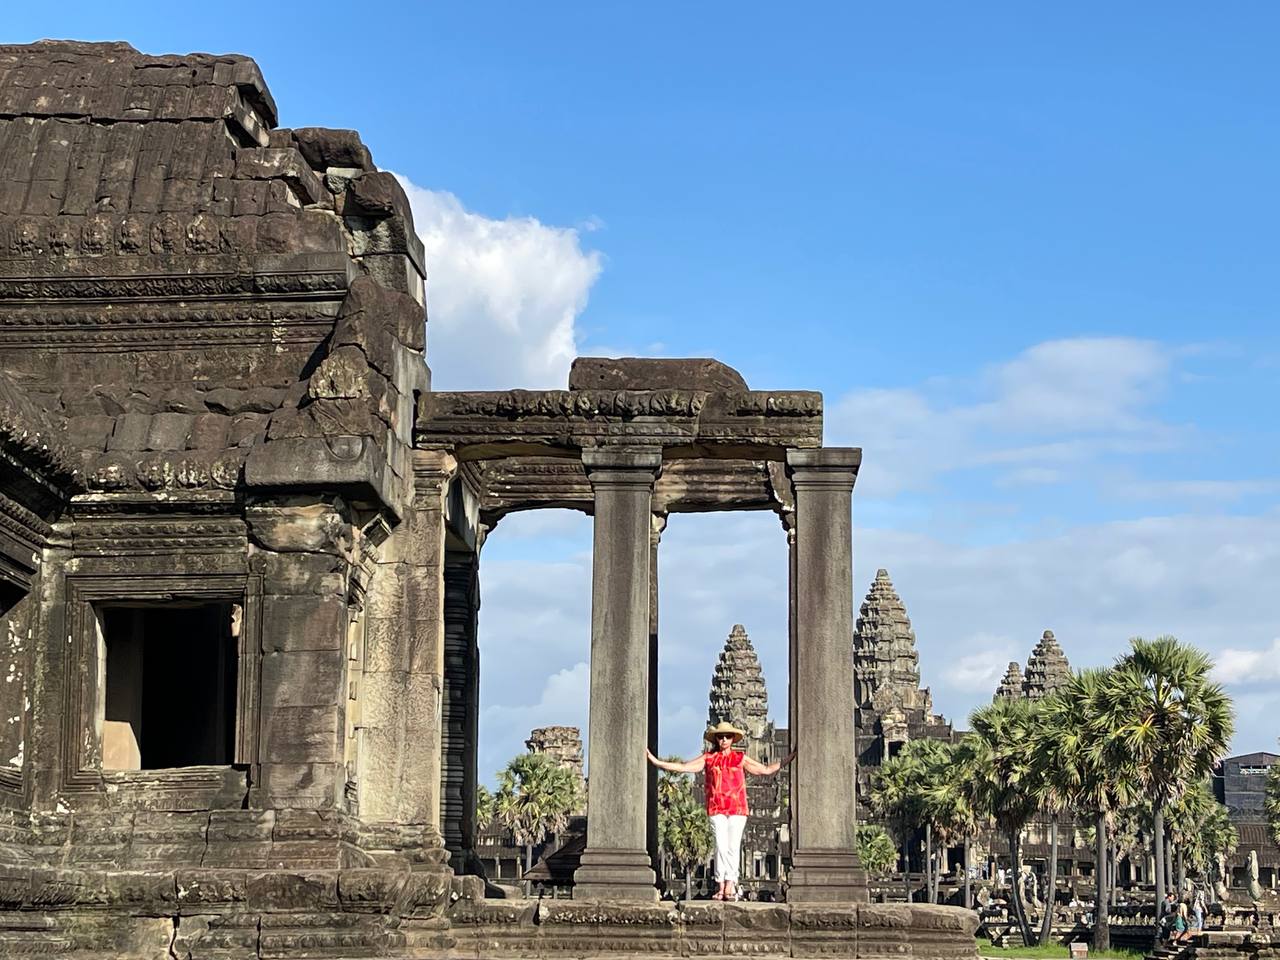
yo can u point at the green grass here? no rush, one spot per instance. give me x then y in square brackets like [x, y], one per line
[1051, 950]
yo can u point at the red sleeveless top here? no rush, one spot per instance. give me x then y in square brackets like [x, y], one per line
[726, 783]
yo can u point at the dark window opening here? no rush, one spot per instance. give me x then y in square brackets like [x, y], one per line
[10, 594]
[170, 691]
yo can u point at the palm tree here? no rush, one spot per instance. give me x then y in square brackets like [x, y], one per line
[534, 799]
[1002, 787]
[945, 802]
[1201, 828]
[896, 801]
[684, 831]
[484, 807]
[875, 848]
[1058, 737]
[1170, 720]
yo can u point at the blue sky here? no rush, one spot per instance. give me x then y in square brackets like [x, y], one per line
[1028, 255]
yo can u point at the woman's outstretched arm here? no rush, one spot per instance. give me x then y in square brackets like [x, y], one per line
[678, 766]
[766, 769]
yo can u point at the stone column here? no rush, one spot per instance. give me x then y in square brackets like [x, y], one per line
[657, 525]
[460, 711]
[824, 860]
[400, 783]
[615, 863]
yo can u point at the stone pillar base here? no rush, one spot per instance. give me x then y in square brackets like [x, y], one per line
[615, 875]
[826, 876]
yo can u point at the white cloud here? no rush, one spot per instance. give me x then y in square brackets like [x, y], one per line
[1090, 383]
[564, 700]
[503, 296]
[1236, 666]
[1057, 403]
[978, 673]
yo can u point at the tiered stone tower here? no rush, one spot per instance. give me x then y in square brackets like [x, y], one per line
[1012, 684]
[884, 648]
[738, 694]
[1047, 668]
[890, 706]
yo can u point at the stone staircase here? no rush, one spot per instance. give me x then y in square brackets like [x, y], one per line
[1220, 945]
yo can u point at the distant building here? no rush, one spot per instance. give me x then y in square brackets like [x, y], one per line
[1240, 784]
[890, 705]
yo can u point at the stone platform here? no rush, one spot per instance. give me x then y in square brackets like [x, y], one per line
[484, 929]
[381, 914]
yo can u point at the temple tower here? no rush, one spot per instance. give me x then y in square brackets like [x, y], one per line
[1047, 668]
[884, 649]
[1012, 684]
[890, 705]
[738, 694]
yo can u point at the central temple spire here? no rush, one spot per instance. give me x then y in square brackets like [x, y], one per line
[738, 693]
[884, 647]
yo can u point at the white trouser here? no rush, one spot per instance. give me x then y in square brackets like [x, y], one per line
[728, 830]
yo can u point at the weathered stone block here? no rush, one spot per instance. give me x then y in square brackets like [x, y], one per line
[169, 431]
[130, 432]
[303, 623]
[210, 431]
[141, 888]
[303, 678]
[302, 574]
[313, 527]
[302, 735]
[277, 892]
[306, 785]
[386, 645]
[325, 148]
[211, 886]
[90, 432]
[234, 826]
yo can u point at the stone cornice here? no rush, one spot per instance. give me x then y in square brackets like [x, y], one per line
[751, 422]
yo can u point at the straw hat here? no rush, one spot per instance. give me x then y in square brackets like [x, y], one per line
[723, 727]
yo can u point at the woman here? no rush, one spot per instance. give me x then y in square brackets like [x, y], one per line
[724, 779]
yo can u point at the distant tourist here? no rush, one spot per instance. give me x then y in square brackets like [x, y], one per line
[1197, 912]
[725, 781]
[1164, 916]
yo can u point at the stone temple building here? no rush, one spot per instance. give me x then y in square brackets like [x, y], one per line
[241, 540]
[890, 705]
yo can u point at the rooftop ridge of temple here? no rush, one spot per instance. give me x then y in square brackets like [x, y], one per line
[738, 694]
[1047, 668]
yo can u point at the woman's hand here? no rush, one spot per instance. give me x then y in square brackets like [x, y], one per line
[651, 758]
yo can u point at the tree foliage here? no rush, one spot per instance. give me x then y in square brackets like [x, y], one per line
[876, 849]
[534, 799]
[684, 830]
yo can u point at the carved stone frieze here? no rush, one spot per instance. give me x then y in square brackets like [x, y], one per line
[173, 287]
[158, 535]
